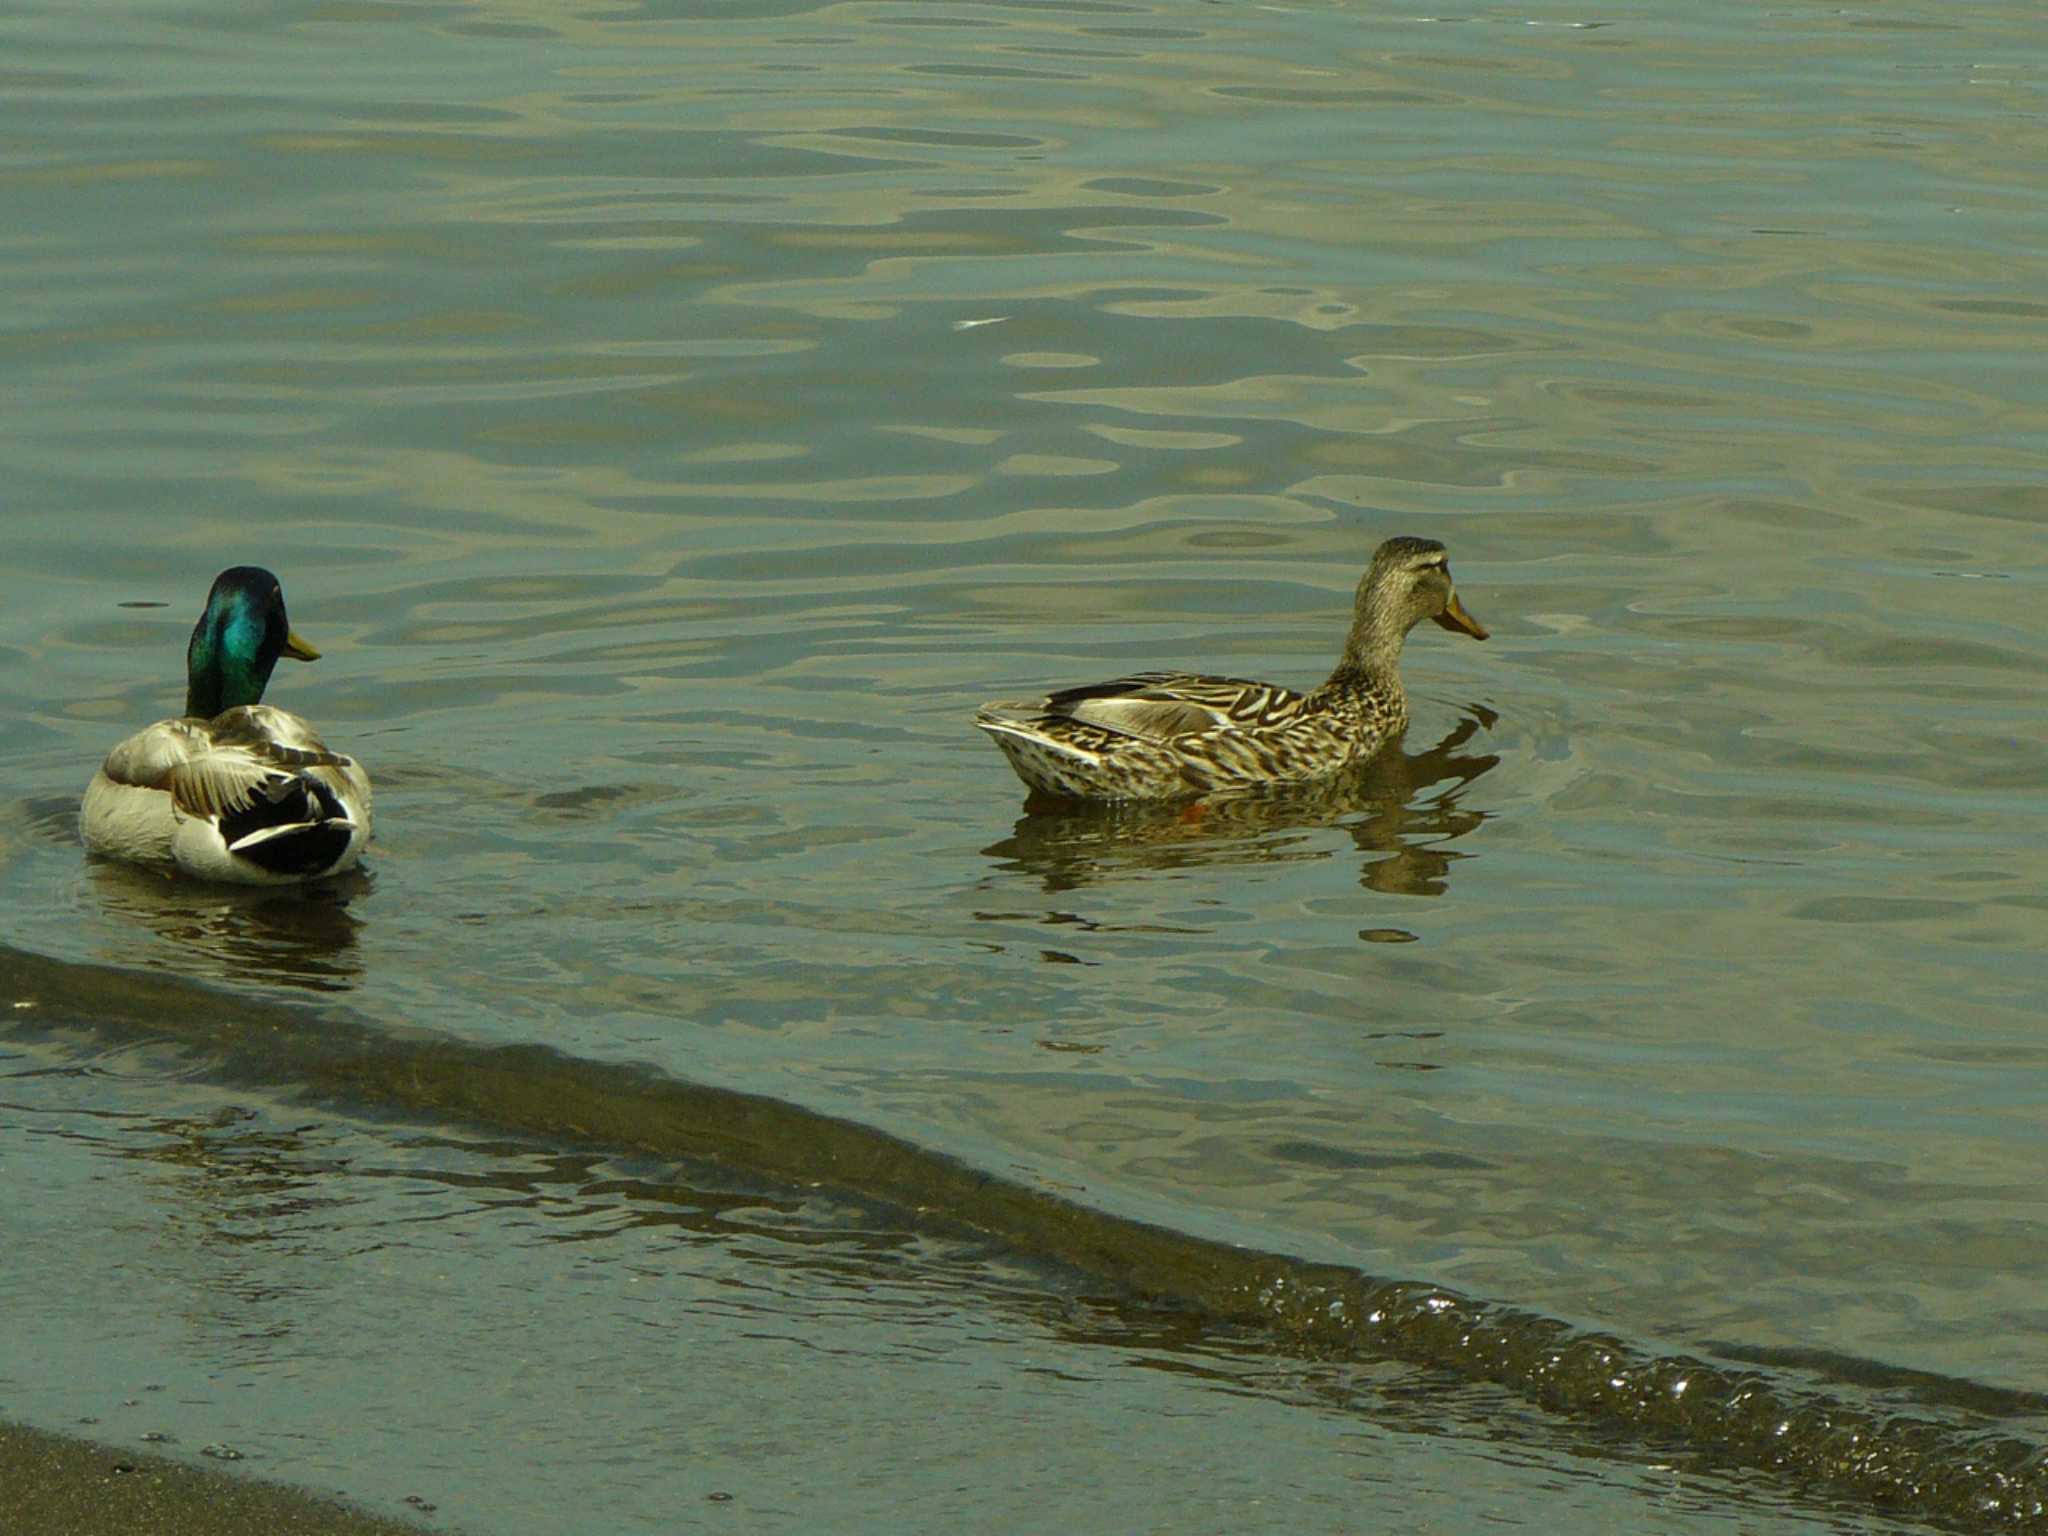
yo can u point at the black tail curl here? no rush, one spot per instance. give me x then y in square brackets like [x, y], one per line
[296, 825]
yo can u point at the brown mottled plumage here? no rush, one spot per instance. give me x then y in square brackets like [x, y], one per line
[1159, 735]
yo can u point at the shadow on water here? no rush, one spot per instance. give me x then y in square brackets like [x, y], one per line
[1381, 804]
[1901, 1445]
[302, 937]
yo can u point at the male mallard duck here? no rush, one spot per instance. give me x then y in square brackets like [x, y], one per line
[1160, 734]
[235, 790]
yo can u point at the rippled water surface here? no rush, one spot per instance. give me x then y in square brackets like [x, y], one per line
[671, 422]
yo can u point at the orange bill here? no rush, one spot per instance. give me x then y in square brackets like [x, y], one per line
[1454, 616]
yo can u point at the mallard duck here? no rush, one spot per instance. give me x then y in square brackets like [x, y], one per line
[234, 790]
[1158, 735]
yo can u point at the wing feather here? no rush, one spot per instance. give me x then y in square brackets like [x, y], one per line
[212, 768]
[224, 781]
[145, 760]
[1161, 706]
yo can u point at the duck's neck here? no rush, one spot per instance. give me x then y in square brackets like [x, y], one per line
[226, 665]
[1372, 655]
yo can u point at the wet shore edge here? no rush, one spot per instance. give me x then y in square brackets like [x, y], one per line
[1937, 1449]
[62, 1485]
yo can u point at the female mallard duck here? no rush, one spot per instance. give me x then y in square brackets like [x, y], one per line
[1155, 735]
[235, 790]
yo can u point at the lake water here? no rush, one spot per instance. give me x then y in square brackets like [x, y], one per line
[670, 422]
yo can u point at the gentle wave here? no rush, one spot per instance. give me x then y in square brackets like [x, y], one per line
[1946, 1458]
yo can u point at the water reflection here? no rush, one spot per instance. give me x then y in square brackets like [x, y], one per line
[303, 938]
[1067, 845]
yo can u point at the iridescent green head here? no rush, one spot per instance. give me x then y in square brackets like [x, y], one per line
[237, 641]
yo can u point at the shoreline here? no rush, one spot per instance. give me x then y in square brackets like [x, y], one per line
[55, 1484]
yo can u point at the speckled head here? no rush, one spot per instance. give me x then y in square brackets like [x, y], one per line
[1408, 581]
[237, 642]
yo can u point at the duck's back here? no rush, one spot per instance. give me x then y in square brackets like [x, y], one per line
[252, 795]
